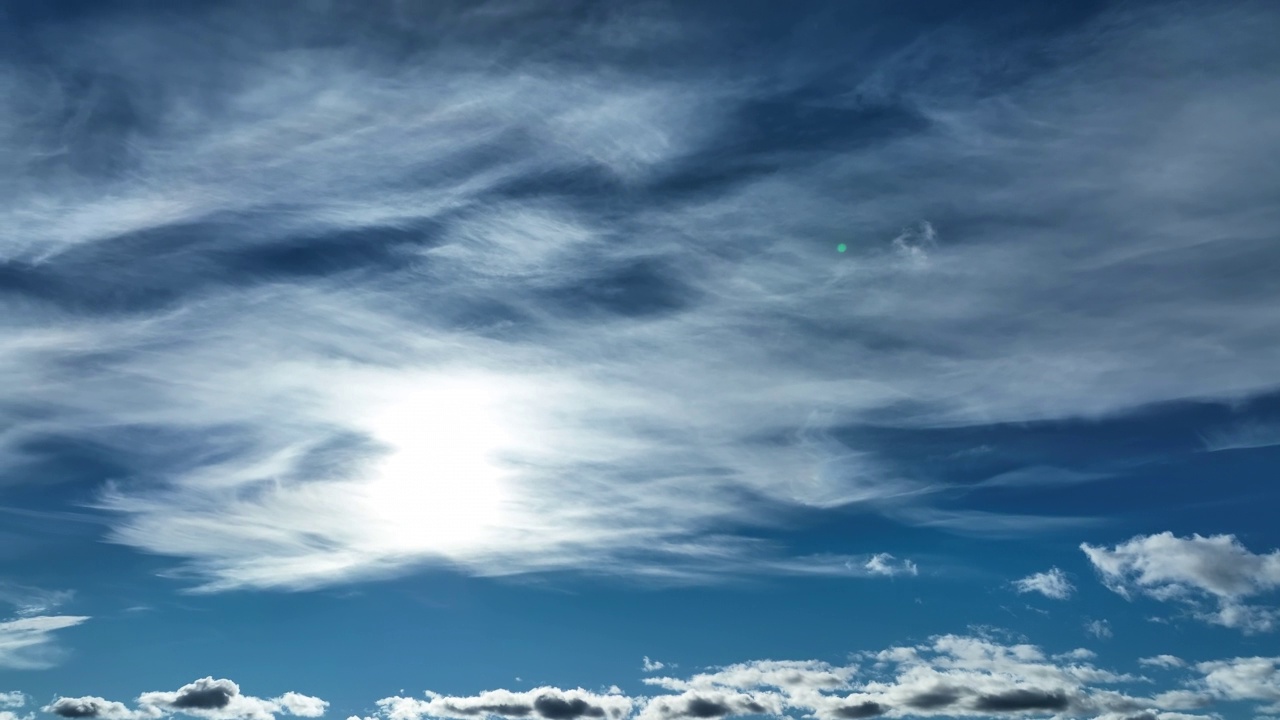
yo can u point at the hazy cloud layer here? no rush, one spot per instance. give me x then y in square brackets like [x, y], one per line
[336, 311]
[1218, 568]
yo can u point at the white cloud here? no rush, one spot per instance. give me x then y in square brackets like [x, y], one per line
[1244, 678]
[1052, 584]
[460, 409]
[1219, 567]
[948, 676]
[12, 699]
[28, 642]
[1164, 661]
[1099, 628]
[652, 665]
[544, 703]
[205, 698]
[887, 565]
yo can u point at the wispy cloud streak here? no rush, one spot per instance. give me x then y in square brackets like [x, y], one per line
[343, 312]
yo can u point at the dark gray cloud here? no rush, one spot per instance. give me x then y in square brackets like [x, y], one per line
[703, 708]
[96, 707]
[863, 709]
[933, 699]
[1020, 700]
[205, 695]
[558, 708]
[75, 708]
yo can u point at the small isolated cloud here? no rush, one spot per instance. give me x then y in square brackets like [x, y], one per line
[1164, 661]
[28, 643]
[652, 665]
[1098, 628]
[1192, 570]
[1052, 584]
[887, 565]
[205, 698]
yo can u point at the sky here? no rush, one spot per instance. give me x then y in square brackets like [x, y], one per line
[557, 360]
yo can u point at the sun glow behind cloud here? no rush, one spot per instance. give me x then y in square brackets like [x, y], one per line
[441, 488]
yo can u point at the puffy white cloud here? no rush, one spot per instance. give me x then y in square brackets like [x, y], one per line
[1167, 567]
[950, 676]
[1244, 678]
[543, 703]
[12, 699]
[1052, 583]
[789, 676]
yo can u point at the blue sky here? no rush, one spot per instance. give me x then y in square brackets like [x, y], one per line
[643, 360]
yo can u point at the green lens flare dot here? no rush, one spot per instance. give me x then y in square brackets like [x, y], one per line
[841, 247]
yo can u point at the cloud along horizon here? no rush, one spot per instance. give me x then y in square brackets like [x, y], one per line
[951, 675]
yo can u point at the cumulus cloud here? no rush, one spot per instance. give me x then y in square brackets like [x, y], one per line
[28, 642]
[96, 707]
[543, 703]
[361, 296]
[1245, 678]
[1052, 584]
[12, 699]
[1191, 570]
[206, 697]
[948, 676]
